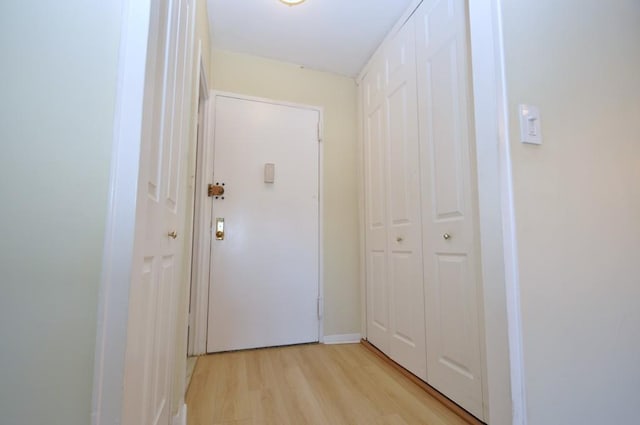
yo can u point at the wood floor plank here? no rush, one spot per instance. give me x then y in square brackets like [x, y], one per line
[231, 392]
[391, 420]
[308, 385]
[244, 422]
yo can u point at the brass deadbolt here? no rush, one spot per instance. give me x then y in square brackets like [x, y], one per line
[215, 190]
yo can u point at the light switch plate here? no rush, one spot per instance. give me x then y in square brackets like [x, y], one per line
[530, 126]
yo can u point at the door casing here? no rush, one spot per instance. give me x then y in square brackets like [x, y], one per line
[199, 259]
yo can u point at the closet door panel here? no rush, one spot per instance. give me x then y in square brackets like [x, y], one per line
[406, 303]
[375, 147]
[450, 266]
[376, 172]
[380, 299]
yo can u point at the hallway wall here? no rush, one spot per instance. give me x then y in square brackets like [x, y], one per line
[57, 96]
[203, 33]
[260, 77]
[577, 204]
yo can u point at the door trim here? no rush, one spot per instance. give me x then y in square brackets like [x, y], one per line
[199, 262]
[117, 260]
[505, 386]
[202, 250]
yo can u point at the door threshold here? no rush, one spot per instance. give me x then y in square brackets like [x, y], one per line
[263, 348]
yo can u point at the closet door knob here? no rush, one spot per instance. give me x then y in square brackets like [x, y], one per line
[173, 234]
[446, 236]
[399, 239]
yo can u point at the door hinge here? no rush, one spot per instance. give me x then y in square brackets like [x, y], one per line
[215, 190]
[320, 308]
[319, 139]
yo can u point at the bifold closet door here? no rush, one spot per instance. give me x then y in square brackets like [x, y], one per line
[375, 146]
[449, 203]
[394, 240]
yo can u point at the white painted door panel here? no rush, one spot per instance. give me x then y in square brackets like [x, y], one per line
[392, 185]
[406, 295]
[152, 322]
[264, 274]
[375, 148]
[450, 266]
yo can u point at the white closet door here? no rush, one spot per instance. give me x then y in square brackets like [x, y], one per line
[451, 271]
[406, 291]
[153, 302]
[395, 298]
[375, 147]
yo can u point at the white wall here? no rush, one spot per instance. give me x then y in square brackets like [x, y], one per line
[260, 77]
[577, 203]
[57, 94]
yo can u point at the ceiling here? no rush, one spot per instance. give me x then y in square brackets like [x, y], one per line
[329, 35]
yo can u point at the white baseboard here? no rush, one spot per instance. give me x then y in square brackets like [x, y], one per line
[181, 417]
[342, 339]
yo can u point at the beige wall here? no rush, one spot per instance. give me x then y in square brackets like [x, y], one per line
[577, 203]
[338, 95]
[203, 34]
[57, 96]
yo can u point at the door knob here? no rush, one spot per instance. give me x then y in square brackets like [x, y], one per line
[399, 239]
[173, 234]
[446, 236]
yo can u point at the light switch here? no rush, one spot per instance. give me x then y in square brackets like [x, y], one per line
[530, 125]
[269, 173]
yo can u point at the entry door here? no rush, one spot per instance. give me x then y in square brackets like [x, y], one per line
[264, 272]
[392, 180]
[450, 243]
[155, 280]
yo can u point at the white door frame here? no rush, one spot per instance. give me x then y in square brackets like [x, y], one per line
[503, 369]
[199, 258]
[202, 250]
[501, 285]
[494, 175]
[117, 260]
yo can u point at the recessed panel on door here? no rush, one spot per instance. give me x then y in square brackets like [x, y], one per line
[452, 275]
[376, 160]
[379, 295]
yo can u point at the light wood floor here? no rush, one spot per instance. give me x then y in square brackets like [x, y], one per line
[308, 384]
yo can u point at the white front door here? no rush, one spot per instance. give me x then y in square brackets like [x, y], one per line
[151, 330]
[264, 273]
[395, 296]
[450, 244]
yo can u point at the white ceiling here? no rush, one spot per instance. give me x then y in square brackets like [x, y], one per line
[328, 35]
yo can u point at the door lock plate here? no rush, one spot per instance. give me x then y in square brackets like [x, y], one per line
[219, 229]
